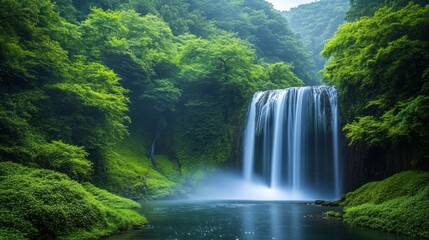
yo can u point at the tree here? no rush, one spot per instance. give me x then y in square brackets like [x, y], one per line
[361, 8]
[216, 79]
[317, 22]
[55, 105]
[380, 66]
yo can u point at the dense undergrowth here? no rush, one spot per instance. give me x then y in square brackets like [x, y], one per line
[398, 204]
[43, 204]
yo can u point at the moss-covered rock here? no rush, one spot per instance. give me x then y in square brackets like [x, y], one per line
[43, 204]
[399, 204]
[128, 172]
[327, 203]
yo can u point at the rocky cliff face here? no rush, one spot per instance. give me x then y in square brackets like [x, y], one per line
[363, 164]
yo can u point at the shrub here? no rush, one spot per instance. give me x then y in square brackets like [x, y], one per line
[397, 204]
[43, 204]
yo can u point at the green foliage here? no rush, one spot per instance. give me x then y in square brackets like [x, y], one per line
[280, 75]
[38, 204]
[129, 172]
[254, 21]
[75, 73]
[163, 96]
[146, 40]
[181, 18]
[96, 88]
[216, 79]
[379, 65]
[30, 42]
[16, 134]
[109, 199]
[49, 94]
[141, 51]
[167, 168]
[316, 23]
[406, 119]
[397, 204]
[333, 214]
[65, 158]
[361, 8]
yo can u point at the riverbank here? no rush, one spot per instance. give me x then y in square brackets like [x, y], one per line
[397, 204]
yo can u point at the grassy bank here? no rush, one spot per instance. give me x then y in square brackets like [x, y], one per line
[398, 204]
[43, 204]
[128, 172]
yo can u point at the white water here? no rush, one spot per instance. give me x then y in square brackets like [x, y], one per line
[250, 140]
[291, 144]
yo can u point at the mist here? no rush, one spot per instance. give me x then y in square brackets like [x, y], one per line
[231, 186]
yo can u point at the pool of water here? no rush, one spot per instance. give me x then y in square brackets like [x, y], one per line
[261, 220]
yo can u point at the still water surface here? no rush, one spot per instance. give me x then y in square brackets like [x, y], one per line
[260, 220]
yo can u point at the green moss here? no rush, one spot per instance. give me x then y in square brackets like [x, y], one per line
[397, 204]
[43, 204]
[128, 172]
[110, 200]
[167, 168]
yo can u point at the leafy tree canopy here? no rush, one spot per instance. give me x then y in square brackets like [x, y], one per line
[316, 23]
[380, 65]
[75, 75]
[361, 8]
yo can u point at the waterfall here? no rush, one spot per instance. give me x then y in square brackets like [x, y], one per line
[291, 142]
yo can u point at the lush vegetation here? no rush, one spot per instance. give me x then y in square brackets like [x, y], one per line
[360, 8]
[130, 174]
[380, 66]
[316, 23]
[397, 204]
[142, 98]
[379, 62]
[76, 74]
[44, 204]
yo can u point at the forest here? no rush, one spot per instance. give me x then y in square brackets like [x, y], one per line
[103, 102]
[316, 23]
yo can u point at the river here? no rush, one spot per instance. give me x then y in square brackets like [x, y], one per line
[259, 220]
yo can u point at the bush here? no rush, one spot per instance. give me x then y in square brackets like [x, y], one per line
[43, 204]
[333, 215]
[397, 204]
[65, 158]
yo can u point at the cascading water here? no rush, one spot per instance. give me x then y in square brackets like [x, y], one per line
[291, 142]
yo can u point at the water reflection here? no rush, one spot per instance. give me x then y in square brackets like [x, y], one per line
[247, 223]
[238, 220]
[276, 222]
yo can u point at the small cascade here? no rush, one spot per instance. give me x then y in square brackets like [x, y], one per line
[291, 142]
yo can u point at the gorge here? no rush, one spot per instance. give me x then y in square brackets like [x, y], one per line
[114, 115]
